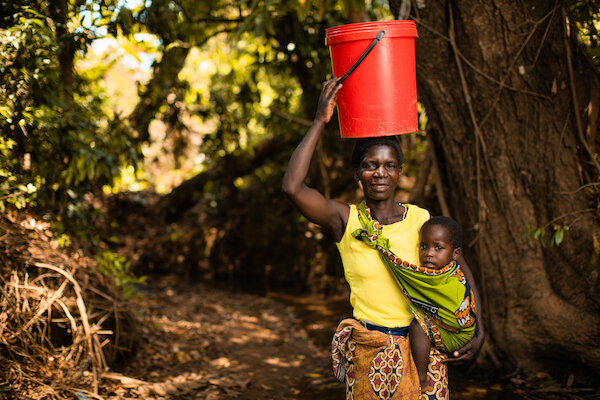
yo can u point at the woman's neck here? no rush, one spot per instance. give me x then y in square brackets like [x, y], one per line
[386, 211]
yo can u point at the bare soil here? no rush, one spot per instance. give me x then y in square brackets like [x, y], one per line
[205, 343]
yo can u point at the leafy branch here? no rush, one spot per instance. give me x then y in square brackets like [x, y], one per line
[555, 231]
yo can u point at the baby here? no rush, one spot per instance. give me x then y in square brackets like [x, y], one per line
[440, 245]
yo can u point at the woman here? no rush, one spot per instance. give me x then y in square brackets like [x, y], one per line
[371, 353]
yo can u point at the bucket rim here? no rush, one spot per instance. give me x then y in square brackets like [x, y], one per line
[368, 30]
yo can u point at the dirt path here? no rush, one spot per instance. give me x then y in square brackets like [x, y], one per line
[203, 343]
[200, 342]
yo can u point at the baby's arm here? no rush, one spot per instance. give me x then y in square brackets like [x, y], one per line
[470, 350]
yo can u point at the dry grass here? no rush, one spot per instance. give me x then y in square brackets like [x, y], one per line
[61, 322]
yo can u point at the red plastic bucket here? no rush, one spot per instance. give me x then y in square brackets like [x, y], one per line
[380, 97]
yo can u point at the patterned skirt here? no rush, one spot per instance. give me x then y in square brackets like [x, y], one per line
[377, 366]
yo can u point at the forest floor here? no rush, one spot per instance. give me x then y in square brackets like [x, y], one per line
[202, 342]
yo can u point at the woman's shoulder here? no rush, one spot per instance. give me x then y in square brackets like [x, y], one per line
[416, 209]
[417, 214]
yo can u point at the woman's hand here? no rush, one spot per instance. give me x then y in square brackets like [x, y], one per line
[327, 100]
[469, 351]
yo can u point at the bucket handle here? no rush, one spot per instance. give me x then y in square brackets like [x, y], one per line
[362, 57]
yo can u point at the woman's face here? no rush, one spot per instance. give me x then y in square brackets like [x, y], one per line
[379, 172]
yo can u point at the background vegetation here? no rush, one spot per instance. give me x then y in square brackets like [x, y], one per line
[159, 131]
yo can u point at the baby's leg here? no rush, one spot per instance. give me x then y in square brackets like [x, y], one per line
[420, 346]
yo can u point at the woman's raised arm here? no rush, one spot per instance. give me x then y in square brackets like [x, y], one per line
[313, 205]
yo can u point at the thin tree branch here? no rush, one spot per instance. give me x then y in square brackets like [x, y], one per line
[289, 117]
[478, 141]
[8, 196]
[468, 100]
[581, 188]
[584, 211]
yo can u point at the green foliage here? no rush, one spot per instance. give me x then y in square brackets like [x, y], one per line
[63, 240]
[54, 113]
[12, 191]
[56, 137]
[556, 232]
[586, 16]
[112, 265]
[270, 58]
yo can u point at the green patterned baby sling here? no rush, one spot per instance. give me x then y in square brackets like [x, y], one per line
[441, 300]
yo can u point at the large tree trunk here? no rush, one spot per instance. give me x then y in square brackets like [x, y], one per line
[509, 98]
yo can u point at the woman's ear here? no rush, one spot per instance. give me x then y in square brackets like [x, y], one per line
[356, 175]
[456, 253]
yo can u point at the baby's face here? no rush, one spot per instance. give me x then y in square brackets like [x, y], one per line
[436, 250]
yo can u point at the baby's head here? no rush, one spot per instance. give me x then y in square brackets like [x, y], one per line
[441, 242]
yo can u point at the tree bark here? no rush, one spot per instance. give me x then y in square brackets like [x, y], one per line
[59, 13]
[499, 96]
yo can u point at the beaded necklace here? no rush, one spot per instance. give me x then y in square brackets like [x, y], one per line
[404, 213]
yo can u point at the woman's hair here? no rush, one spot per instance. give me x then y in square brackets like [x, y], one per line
[456, 235]
[363, 144]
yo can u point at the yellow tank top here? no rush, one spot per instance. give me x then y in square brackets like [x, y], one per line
[374, 295]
